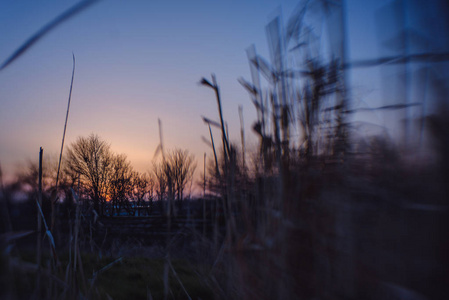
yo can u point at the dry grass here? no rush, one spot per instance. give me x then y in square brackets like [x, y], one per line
[309, 218]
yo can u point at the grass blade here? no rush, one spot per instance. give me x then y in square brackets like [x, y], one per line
[44, 30]
[53, 213]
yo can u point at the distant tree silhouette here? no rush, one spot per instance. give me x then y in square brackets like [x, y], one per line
[120, 183]
[92, 159]
[173, 174]
[183, 166]
[143, 187]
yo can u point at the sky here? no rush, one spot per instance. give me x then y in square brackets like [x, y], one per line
[137, 61]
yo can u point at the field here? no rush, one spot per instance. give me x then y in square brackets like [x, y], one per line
[319, 209]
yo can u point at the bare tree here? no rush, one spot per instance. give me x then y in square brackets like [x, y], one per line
[143, 186]
[183, 166]
[120, 183]
[91, 158]
[173, 174]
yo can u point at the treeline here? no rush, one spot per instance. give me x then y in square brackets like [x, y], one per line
[106, 180]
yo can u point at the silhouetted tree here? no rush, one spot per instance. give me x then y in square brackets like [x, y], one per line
[143, 186]
[173, 174]
[91, 158]
[120, 183]
[183, 166]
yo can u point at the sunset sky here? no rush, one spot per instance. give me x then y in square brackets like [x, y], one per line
[137, 61]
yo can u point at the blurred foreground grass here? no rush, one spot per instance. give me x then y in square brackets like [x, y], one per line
[129, 278]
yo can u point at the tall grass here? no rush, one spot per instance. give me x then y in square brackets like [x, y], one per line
[314, 214]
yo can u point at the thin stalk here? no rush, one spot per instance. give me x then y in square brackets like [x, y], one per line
[204, 196]
[77, 226]
[220, 112]
[44, 30]
[62, 147]
[217, 169]
[242, 135]
[227, 156]
[3, 200]
[39, 227]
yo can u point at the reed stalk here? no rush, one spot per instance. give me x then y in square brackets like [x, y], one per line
[39, 227]
[53, 201]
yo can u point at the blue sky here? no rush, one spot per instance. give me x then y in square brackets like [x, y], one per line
[137, 61]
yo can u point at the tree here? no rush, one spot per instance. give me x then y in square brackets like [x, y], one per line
[143, 186]
[120, 182]
[173, 174]
[183, 166]
[92, 159]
